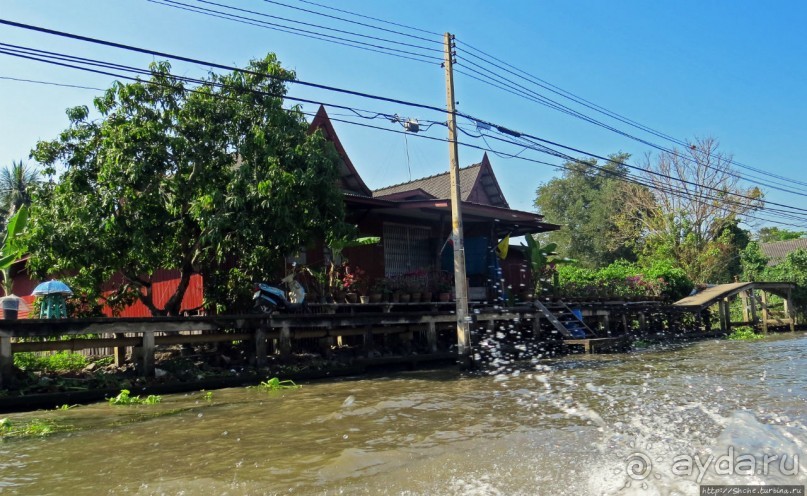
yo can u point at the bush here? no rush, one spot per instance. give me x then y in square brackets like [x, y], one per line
[623, 279]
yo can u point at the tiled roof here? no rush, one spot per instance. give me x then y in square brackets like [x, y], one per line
[779, 250]
[438, 185]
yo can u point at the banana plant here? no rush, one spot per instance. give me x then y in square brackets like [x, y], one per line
[542, 260]
[12, 247]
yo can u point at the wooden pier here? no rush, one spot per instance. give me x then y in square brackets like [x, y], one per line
[588, 326]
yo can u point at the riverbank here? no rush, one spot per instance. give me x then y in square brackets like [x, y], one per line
[178, 373]
[568, 425]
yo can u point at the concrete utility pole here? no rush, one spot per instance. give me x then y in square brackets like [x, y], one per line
[460, 282]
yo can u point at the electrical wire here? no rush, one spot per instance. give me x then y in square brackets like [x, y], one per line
[503, 66]
[216, 65]
[489, 148]
[352, 33]
[357, 22]
[500, 128]
[513, 70]
[514, 88]
[49, 83]
[300, 32]
[61, 59]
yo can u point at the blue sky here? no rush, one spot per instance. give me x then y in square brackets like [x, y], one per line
[734, 70]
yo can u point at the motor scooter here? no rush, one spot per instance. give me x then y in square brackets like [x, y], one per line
[269, 299]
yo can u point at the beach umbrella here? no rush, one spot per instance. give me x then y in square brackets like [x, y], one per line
[52, 287]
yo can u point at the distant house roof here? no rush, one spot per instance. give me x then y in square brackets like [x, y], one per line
[780, 249]
[478, 184]
[349, 180]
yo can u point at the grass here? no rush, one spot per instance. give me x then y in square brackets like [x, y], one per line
[125, 398]
[275, 384]
[744, 333]
[63, 361]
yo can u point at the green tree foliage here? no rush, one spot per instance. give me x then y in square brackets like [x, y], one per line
[691, 214]
[754, 262]
[588, 200]
[793, 268]
[774, 234]
[217, 179]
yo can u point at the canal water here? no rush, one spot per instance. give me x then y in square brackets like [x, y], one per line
[657, 421]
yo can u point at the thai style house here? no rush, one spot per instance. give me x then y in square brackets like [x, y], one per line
[412, 219]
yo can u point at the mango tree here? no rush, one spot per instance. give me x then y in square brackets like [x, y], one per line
[215, 178]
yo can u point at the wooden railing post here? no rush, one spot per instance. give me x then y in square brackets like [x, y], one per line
[285, 340]
[431, 336]
[260, 337]
[765, 314]
[789, 310]
[6, 361]
[147, 358]
[119, 351]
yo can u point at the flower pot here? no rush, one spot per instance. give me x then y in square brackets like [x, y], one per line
[364, 299]
[444, 297]
[414, 297]
[405, 297]
[352, 298]
[426, 296]
[375, 298]
[395, 297]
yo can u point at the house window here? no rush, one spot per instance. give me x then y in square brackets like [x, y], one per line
[406, 248]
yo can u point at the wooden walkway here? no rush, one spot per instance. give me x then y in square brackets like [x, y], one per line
[720, 294]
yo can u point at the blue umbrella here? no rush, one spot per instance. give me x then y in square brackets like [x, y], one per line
[52, 287]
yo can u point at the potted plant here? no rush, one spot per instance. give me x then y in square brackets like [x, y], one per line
[354, 283]
[378, 290]
[443, 284]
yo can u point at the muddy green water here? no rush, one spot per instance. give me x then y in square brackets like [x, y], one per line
[608, 424]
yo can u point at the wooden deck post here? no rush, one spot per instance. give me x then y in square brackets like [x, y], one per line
[642, 323]
[261, 359]
[536, 326]
[727, 312]
[721, 313]
[147, 357]
[789, 310]
[764, 297]
[744, 299]
[431, 336]
[367, 339]
[606, 323]
[753, 303]
[625, 323]
[119, 351]
[6, 360]
[285, 340]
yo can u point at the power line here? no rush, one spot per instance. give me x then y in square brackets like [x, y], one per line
[514, 88]
[50, 57]
[357, 22]
[49, 83]
[623, 177]
[341, 90]
[503, 66]
[300, 32]
[217, 65]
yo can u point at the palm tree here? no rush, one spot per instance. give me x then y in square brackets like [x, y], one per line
[15, 186]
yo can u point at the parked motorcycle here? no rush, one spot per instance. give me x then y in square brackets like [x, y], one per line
[269, 299]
